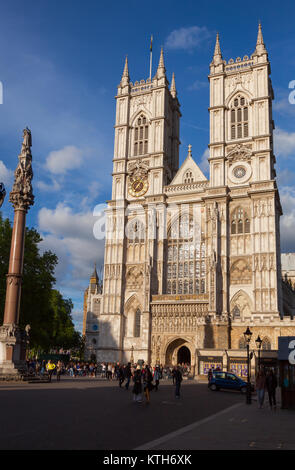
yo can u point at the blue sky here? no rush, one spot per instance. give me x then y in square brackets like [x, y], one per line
[60, 64]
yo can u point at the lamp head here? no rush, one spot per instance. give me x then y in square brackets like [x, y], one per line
[248, 335]
[258, 342]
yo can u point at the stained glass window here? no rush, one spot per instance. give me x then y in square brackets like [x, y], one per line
[141, 134]
[186, 258]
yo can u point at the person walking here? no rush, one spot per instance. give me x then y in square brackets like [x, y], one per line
[173, 374]
[260, 387]
[157, 376]
[210, 375]
[271, 385]
[147, 383]
[109, 371]
[121, 377]
[113, 370]
[58, 370]
[177, 380]
[50, 368]
[137, 387]
[43, 368]
[128, 375]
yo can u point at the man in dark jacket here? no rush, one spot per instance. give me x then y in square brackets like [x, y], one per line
[121, 375]
[271, 384]
[128, 374]
[178, 380]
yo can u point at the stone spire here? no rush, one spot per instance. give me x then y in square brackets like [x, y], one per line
[260, 46]
[125, 77]
[217, 57]
[94, 281]
[21, 195]
[161, 72]
[94, 274]
[173, 87]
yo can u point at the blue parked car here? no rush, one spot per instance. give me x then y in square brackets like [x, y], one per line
[227, 380]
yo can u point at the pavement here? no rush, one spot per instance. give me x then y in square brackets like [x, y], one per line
[69, 415]
[239, 427]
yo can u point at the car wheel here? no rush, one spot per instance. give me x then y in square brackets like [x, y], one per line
[213, 387]
[244, 389]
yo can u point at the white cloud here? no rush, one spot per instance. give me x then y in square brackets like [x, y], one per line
[93, 191]
[283, 106]
[54, 186]
[204, 164]
[6, 175]
[284, 142]
[285, 177]
[70, 236]
[62, 221]
[67, 158]
[187, 38]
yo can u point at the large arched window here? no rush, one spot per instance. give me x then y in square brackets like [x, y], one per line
[141, 135]
[240, 222]
[186, 265]
[239, 125]
[137, 322]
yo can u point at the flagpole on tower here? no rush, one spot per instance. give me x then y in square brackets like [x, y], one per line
[151, 56]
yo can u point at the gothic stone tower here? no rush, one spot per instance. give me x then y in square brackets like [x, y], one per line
[145, 160]
[242, 180]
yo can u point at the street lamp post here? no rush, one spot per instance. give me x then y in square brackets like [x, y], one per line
[258, 342]
[247, 336]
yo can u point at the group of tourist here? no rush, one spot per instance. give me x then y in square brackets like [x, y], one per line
[145, 379]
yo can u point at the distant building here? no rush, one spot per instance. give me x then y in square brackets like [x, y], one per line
[91, 310]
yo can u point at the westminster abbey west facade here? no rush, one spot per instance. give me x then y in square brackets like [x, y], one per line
[190, 262]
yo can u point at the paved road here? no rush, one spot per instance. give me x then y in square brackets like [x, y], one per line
[86, 413]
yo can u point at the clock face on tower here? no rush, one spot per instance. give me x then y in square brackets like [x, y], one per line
[138, 186]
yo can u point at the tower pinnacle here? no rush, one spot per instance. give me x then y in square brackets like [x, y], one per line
[125, 77]
[173, 87]
[260, 46]
[217, 57]
[161, 67]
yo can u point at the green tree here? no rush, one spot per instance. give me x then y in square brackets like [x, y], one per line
[42, 306]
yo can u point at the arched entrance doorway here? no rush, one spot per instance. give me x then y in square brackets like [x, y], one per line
[178, 352]
[183, 355]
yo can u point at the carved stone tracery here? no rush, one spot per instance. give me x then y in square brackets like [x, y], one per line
[21, 195]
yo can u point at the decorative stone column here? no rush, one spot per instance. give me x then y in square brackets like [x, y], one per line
[12, 339]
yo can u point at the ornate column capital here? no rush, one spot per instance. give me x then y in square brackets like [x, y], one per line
[21, 195]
